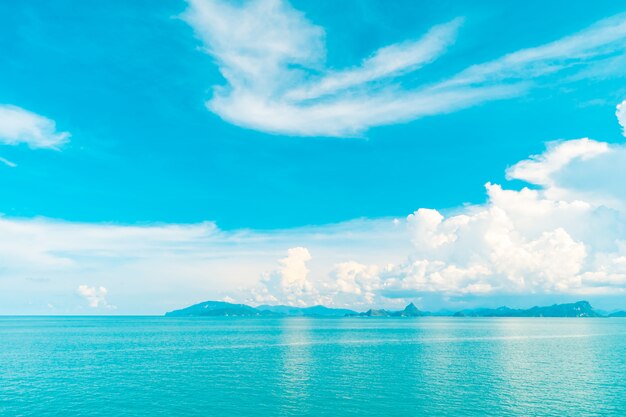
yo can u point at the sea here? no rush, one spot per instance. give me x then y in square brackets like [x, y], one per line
[430, 366]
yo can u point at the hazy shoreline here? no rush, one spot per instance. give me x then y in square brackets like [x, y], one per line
[578, 309]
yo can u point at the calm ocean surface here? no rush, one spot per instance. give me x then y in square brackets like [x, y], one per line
[128, 366]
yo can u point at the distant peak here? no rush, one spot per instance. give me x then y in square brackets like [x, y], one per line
[410, 307]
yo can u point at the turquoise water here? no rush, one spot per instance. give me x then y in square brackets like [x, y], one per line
[127, 366]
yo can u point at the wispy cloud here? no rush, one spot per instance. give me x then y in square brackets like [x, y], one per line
[603, 40]
[273, 60]
[8, 163]
[22, 126]
[621, 116]
[539, 169]
[390, 61]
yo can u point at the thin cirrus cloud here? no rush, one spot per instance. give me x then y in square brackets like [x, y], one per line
[621, 116]
[8, 163]
[604, 40]
[390, 61]
[277, 81]
[20, 126]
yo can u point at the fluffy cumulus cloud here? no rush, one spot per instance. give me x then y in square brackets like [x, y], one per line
[562, 238]
[353, 283]
[519, 242]
[95, 296]
[565, 237]
[289, 283]
[277, 78]
[22, 126]
[347, 283]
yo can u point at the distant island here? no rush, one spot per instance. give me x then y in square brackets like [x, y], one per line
[224, 309]
[409, 311]
[578, 309]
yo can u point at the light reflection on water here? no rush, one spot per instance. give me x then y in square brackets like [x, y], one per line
[305, 366]
[295, 367]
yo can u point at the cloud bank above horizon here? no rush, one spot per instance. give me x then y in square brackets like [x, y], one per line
[273, 61]
[565, 236]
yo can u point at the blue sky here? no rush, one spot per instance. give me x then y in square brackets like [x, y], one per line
[187, 114]
[129, 83]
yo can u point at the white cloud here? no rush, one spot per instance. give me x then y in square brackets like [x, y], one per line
[606, 38]
[621, 116]
[519, 242]
[95, 296]
[273, 60]
[389, 61]
[581, 169]
[353, 283]
[21, 126]
[289, 283]
[539, 168]
[8, 163]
